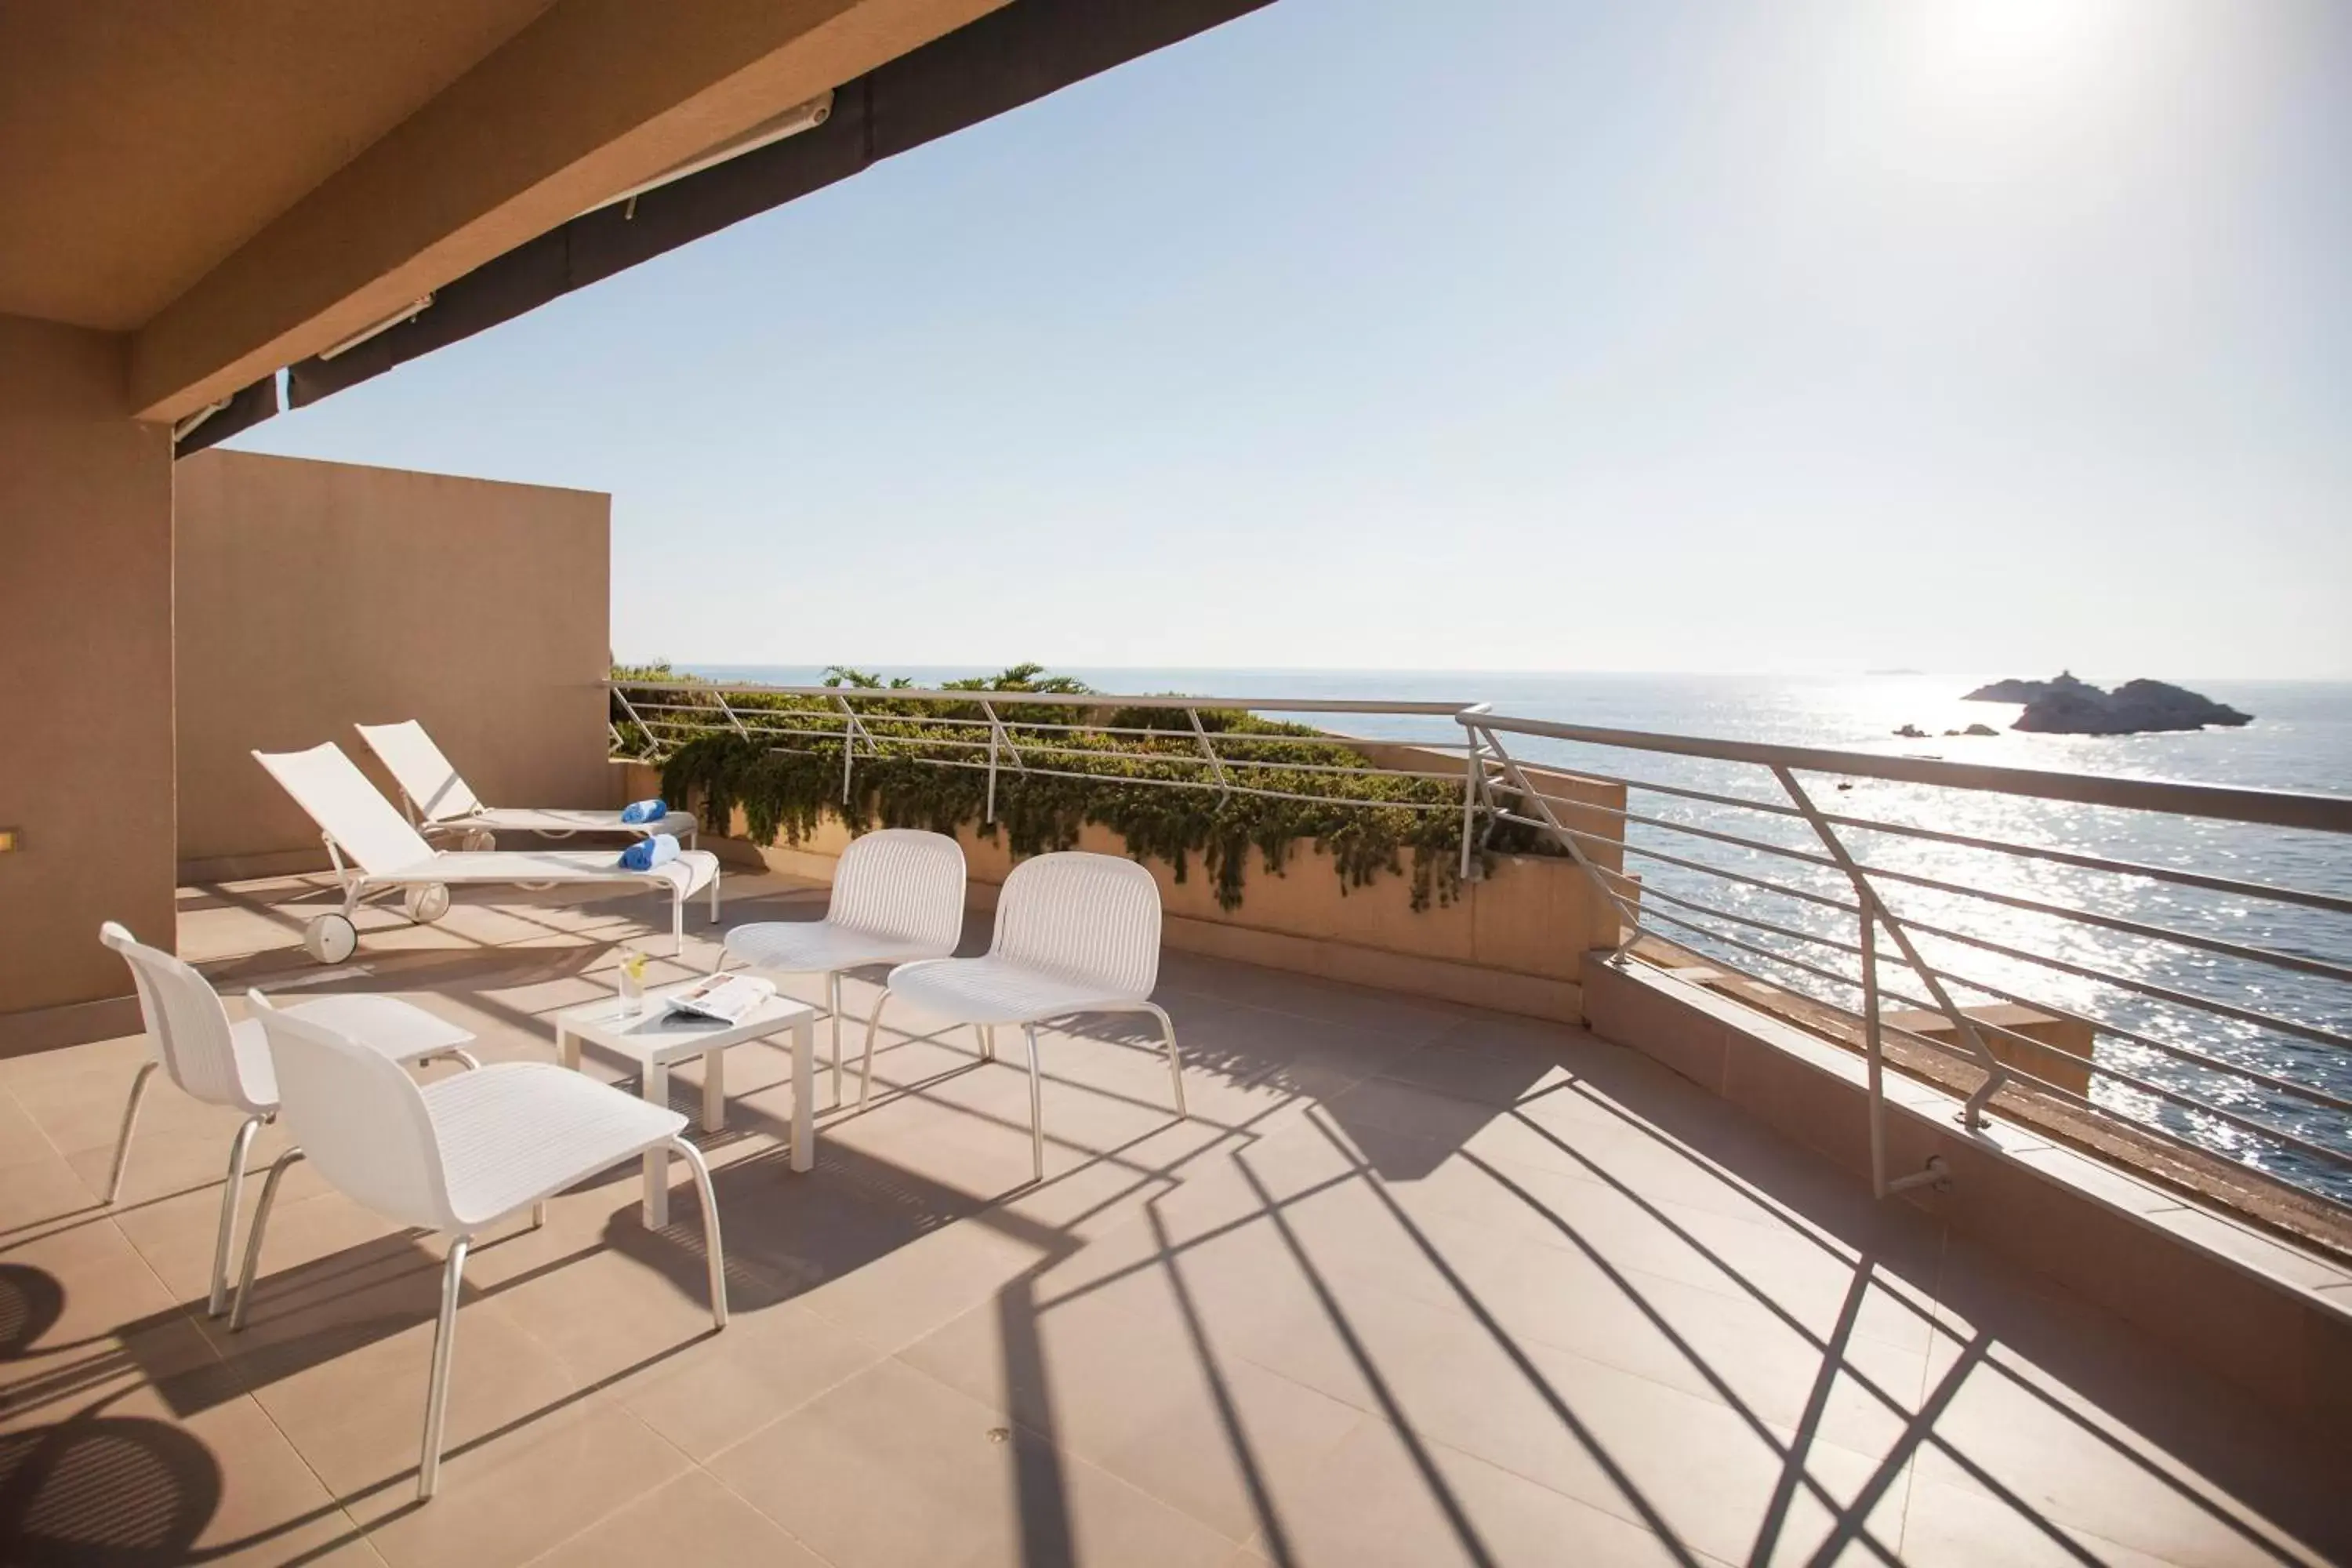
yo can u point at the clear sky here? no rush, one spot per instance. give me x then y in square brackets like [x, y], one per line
[1507, 334]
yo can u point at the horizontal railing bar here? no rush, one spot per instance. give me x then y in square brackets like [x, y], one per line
[2102, 863]
[2218, 946]
[1062, 699]
[2270, 808]
[1650, 891]
[2304, 1091]
[1357, 801]
[1647, 890]
[2145, 987]
[2237, 886]
[1647, 853]
[1694, 830]
[2185, 1101]
[2213, 945]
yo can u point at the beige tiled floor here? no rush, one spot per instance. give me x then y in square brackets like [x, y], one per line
[1416, 1285]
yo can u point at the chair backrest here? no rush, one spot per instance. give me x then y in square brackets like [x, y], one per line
[359, 1118]
[187, 1027]
[424, 776]
[347, 808]
[1088, 917]
[901, 882]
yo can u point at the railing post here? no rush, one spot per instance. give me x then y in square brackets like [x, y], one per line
[848, 744]
[724, 707]
[653, 746]
[1473, 777]
[1971, 1114]
[1873, 1045]
[993, 730]
[1225, 786]
[1629, 919]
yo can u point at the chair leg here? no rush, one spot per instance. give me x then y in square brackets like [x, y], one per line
[472, 1063]
[253, 1239]
[129, 1120]
[873, 1024]
[1037, 1114]
[232, 1190]
[833, 1008]
[988, 1041]
[437, 1394]
[677, 924]
[1175, 1062]
[710, 1242]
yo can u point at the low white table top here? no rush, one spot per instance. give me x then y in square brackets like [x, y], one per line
[658, 1034]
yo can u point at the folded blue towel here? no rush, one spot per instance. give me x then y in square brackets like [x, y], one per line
[644, 811]
[648, 853]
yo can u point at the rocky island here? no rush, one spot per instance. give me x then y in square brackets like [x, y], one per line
[2069, 706]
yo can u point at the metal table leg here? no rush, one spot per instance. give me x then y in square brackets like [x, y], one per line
[657, 1092]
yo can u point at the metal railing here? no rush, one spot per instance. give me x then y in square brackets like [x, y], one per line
[2159, 917]
[2275, 1077]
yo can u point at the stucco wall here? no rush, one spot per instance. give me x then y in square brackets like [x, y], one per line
[313, 596]
[85, 651]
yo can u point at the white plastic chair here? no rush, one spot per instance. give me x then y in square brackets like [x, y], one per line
[189, 1035]
[897, 895]
[1075, 934]
[456, 1156]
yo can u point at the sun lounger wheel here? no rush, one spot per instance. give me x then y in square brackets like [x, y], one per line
[426, 902]
[330, 939]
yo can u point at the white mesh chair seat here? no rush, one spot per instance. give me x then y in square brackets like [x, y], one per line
[403, 1032]
[515, 1133]
[453, 1156]
[997, 991]
[897, 895]
[442, 801]
[1075, 934]
[385, 849]
[814, 947]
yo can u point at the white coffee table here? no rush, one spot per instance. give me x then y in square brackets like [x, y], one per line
[657, 1040]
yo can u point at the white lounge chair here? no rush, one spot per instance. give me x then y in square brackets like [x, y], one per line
[1075, 934]
[385, 852]
[439, 800]
[897, 895]
[456, 1156]
[189, 1035]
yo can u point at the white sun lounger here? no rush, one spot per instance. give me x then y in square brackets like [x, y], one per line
[375, 849]
[439, 800]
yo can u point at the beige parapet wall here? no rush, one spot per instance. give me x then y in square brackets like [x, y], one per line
[1515, 941]
[314, 597]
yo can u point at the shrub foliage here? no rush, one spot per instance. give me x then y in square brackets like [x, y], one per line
[1139, 772]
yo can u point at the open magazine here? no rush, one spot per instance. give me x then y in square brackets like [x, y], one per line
[722, 998]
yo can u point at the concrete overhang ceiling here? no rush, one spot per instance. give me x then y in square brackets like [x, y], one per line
[240, 185]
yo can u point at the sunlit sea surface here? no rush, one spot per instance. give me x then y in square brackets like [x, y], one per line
[2300, 739]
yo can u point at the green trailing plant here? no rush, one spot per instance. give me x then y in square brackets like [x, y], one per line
[1068, 766]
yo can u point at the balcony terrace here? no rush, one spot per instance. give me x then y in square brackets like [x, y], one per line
[1416, 1283]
